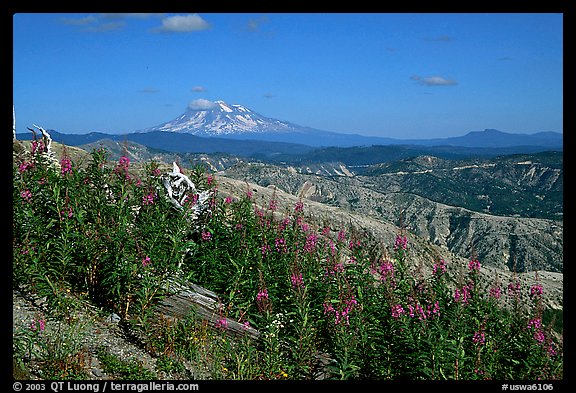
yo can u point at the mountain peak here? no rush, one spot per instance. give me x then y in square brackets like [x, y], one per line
[217, 118]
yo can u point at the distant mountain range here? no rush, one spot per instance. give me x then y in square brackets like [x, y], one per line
[219, 119]
[209, 127]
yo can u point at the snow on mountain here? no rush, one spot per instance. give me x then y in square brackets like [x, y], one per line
[207, 118]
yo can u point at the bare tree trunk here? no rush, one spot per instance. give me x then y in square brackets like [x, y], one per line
[186, 299]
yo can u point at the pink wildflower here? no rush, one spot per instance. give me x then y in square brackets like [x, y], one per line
[474, 265]
[397, 311]
[148, 199]
[262, 295]
[25, 166]
[26, 195]
[439, 267]
[299, 207]
[401, 242]
[311, 241]
[297, 280]
[222, 323]
[65, 166]
[146, 261]
[479, 338]
[495, 292]
[536, 290]
[273, 205]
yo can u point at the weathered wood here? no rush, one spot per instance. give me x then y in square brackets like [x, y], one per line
[188, 297]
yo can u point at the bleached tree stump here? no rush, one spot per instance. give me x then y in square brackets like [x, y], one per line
[188, 298]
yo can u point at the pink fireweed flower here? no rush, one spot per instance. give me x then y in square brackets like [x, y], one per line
[26, 195]
[332, 247]
[354, 244]
[325, 231]
[341, 236]
[146, 261]
[228, 200]
[281, 245]
[401, 242]
[462, 295]
[297, 280]
[495, 292]
[439, 268]
[284, 223]
[273, 205]
[249, 194]
[539, 336]
[209, 180]
[332, 270]
[38, 147]
[514, 290]
[386, 270]
[67, 212]
[65, 166]
[222, 323]
[25, 166]
[311, 241]
[206, 236]
[536, 290]
[474, 265]
[479, 338]
[124, 162]
[535, 323]
[262, 295]
[299, 208]
[397, 311]
[122, 167]
[41, 325]
[343, 312]
[265, 249]
[148, 199]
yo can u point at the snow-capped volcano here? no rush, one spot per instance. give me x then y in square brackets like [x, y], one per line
[207, 118]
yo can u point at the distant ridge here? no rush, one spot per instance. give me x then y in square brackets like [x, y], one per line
[207, 127]
[495, 138]
[220, 119]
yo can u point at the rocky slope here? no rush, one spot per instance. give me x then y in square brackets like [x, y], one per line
[499, 241]
[422, 253]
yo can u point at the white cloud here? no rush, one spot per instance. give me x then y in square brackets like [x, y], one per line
[87, 20]
[254, 24]
[199, 89]
[110, 26]
[438, 81]
[434, 81]
[131, 15]
[201, 104]
[183, 24]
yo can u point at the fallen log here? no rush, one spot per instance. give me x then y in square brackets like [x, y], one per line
[186, 298]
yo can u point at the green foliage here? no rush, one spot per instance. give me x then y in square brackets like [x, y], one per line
[326, 302]
[132, 370]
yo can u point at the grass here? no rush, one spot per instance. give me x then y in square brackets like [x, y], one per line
[326, 301]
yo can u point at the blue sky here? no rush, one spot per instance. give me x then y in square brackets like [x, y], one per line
[410, 75]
